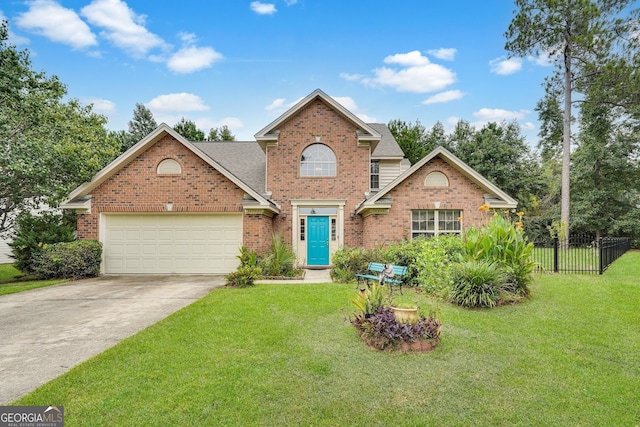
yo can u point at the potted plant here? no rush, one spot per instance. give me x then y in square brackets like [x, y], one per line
[406, 311]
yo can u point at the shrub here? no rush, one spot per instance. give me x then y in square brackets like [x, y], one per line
[349, 261]
[281, 260]
[70, 260]
[504, 242]
[243, 277]
[383, 331]
[435, 262]
[248, 258]
[370, 299]
[35, 231]
[477, 284]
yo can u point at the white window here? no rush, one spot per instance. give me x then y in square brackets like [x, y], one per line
[169, 167]
[375, 175]
[430, 223]
[436, 179]
[318, 160]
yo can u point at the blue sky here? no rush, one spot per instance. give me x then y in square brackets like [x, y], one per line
[242, 63]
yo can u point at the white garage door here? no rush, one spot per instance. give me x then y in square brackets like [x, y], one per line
[172, 243]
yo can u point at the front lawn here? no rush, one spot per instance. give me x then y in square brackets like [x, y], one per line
[13, 280]
[276, 355]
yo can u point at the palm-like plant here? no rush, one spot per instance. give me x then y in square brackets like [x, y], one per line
[281, 261]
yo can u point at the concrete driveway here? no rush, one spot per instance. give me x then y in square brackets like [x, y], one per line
[47, 331]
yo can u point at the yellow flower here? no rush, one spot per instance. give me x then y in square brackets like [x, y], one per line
[518, 225]
[484, 207]
[520, 214]
[506, 213]
[460, 218]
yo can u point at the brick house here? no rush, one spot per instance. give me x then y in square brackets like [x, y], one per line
[317, 175]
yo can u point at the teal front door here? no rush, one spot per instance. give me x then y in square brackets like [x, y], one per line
[318, 240]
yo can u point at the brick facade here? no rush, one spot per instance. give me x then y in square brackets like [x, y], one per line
[138, 188]
[288, 198]
[318, 122]
[411, 194]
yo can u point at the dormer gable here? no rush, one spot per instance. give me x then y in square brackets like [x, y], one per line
[366, 134]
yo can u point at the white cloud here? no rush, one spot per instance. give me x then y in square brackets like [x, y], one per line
[527, 126]
[351, 77]
[206, 124]
[100, 106]
[504, 66]
[347, 102]
[277, 103]
[415, 74]
[290, 2]
[409, 59]
[446, 54]
[122, 26]
[263, 8]
[192, 58]
[59, 24]
[177, 102]
[366, 118]
[447, 96]
[499, 115]
[543, 59]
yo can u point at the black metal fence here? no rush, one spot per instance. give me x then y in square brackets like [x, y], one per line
[579, 254]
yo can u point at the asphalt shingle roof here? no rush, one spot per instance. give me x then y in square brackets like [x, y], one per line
[245, 160]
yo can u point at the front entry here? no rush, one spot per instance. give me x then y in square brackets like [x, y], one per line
[318, 240]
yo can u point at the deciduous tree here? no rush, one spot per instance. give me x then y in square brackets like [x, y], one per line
[47, 146]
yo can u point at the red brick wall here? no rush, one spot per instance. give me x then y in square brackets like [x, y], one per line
[411, 194]
[138, 188]
[352, 168]
[257, 232]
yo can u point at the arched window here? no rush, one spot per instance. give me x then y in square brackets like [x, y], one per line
[318, 160]
[169, 167]
[436, 179]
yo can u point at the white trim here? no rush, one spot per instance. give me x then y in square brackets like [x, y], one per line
[501, 200]
[136, 150]
[270, 132]
[296, 204]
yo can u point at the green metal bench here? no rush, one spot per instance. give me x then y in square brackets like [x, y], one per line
[374, 270]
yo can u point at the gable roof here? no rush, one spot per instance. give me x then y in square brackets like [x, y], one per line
[80, 197]
[244, 159]
[366, 133]
[388, 147]
[495, 197]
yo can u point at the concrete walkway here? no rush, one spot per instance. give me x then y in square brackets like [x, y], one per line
[310, 276]
[47, 331]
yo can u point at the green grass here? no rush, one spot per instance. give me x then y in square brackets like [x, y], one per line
[281, 355]
[13, 280]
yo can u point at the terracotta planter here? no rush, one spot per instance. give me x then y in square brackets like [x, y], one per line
[405, 315]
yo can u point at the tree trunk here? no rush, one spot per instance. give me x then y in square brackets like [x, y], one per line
[566, 143]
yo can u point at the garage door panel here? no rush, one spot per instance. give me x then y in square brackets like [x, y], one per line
[172, 243]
